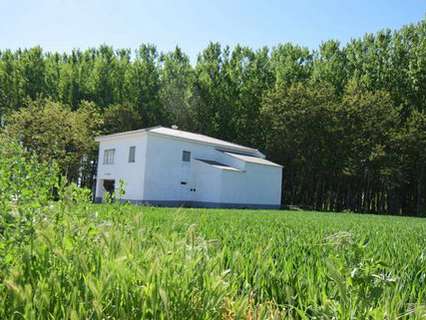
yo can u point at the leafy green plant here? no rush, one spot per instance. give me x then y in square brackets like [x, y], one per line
[124, 261]
[26, 187]
[71, 259]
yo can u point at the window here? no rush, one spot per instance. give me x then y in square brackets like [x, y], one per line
[132, 154]
[186, 156]
[109, 156]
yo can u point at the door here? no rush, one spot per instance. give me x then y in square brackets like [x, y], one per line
[185, 192]
[187, 182]
[109, 187]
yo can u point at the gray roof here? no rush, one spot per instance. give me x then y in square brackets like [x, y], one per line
[194, 137]
[255, 160]
[219, 165]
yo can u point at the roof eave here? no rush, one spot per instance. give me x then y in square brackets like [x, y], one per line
[270, 164]
[122, 134]
[218, 146]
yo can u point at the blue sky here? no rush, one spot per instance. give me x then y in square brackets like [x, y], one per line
[60, 25]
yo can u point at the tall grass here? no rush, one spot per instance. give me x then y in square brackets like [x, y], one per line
[126, 262]
[70, 259]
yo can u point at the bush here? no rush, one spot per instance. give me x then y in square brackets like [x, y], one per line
[26, 186]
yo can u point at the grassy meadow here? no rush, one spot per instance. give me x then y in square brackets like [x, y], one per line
[131, 262]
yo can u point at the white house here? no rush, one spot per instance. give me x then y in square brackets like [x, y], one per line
[170, 167]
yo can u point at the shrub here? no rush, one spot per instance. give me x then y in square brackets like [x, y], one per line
[26, 186]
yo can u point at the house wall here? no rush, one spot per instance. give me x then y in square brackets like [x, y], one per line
[132, 173]
[165, 169]
[158, 171]
[208, 183]
[257, 185]
[233, 162]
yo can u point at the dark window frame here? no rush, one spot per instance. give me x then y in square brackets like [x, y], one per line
[132, 154]
[186, 156]
[109, 155]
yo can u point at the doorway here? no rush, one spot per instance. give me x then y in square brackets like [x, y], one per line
[109, 186]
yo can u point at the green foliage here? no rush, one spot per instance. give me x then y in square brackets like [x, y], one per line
[26, 186]
[177, 77]
[120, 191]
[343, 120]
[143, 85]
[347, 122]
[55, 133]
[72, 259]
[113, 261]
[119, 118]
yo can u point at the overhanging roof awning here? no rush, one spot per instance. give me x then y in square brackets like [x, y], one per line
[254, 160]
[219, 165]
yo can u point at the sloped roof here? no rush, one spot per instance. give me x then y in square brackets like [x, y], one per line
[180, 134]
[219, 165]
[124, 133]
[200, 138]
[253, 159]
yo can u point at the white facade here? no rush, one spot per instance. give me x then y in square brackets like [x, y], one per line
[218, 173]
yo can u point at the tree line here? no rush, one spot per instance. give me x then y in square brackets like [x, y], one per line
[347, 122]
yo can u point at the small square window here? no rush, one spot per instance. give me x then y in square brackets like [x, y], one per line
[186, 156]
[132, 151]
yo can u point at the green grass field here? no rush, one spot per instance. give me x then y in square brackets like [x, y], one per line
[129, 262]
